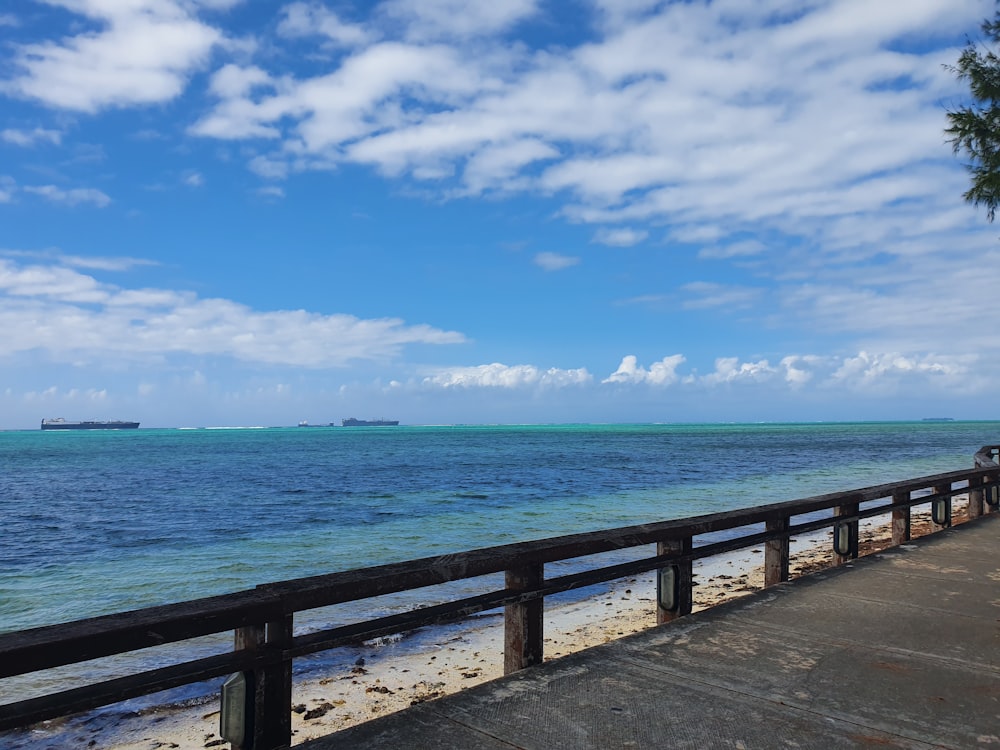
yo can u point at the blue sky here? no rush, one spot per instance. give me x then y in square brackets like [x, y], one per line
[216, 212]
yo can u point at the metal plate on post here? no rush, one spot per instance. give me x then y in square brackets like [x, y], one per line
[233, 711]
[941, 511]
[842, 539]
[667, 588]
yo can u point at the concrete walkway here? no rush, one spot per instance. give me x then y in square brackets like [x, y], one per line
[900, 649]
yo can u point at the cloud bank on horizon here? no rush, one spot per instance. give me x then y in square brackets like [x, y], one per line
[601, 210]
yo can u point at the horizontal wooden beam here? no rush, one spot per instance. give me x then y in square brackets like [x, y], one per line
[119, 689]
[68, 643]
[56, 645]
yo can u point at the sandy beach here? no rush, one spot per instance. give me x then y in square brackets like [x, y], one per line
[389, 676]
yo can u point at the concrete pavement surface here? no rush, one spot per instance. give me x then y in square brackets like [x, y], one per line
[896, 650]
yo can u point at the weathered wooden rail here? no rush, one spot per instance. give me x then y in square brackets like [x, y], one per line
[262, 619]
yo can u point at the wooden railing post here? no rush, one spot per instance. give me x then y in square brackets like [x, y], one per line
[249, 638]
[946, 520]
[272, 722]
[851, 551]
[976, 498]
[267, 643]
[523, 622]
[776, 553]
[679, 578]
[900, 517]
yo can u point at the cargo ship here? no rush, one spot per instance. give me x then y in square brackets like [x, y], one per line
[61, 424]
[352, 422]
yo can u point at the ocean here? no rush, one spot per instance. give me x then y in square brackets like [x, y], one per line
[100, 522]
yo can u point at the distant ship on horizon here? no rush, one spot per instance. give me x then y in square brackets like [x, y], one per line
[61, 424]
[352, 422]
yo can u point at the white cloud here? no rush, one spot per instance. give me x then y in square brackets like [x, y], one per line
[796, 372]
[652, 301]
[72, 317]
[7, 188]
[800, 369]
[330, 112]
[49, 281]
[97, 263]
[143, 53]
[72, 197]
[269, 169]
[827, 194]
[105, 264]
[663, 372]
[232, 81]
[71, 395]
[697, 233]
[30, 137]
[919, 301]
[868, 369]
[308, 19]
[672, 113]
[431, 19]
[730, 370]
[194, 179]
[496, 166]
[554, 261]
[498, 375]
[741, 249]
[270, 191]
[621, 237]
[9, 20]
[709, 294]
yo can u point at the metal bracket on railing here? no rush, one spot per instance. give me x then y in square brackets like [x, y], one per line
[668, 588]
[263, 619]
[941, 511]
[236, 710]
[842, 534]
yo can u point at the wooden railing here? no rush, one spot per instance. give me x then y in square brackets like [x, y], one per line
[262, 619]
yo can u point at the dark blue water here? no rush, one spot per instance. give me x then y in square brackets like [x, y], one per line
[98, 522]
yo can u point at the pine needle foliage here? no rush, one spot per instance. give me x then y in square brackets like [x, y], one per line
[975, 129]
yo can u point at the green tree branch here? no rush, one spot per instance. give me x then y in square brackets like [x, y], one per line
[974, 130]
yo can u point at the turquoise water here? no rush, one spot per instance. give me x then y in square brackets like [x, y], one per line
[99, 522]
